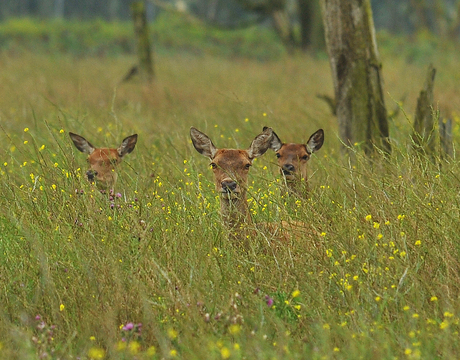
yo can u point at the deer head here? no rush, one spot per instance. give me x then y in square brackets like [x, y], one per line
[231, 168]
[103, 161]
[293, 158]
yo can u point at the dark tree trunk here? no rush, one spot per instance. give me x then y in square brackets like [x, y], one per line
[311, 25]
[306, 18]
[145, 66]
[423, 138]
[356, 73]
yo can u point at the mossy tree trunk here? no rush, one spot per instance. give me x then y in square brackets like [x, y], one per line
[423, 139]
[356, 73]
[145, 66]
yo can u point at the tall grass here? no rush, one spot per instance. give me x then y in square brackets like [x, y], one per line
[375, 274]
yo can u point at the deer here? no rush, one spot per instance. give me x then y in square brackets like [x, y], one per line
[103, 162]
[231, 168]
[293, 158]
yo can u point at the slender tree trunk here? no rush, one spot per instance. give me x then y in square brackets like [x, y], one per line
[283, 28]
[356, 74]
[423, 138]
[445, 138]
[306, 22]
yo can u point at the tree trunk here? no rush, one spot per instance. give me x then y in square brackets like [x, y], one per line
[445, 137]
[283, 28]
[311, 27]
[145, 66]
[355, 65]
[423, 138]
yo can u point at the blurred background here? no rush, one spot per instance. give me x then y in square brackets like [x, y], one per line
[438, 16]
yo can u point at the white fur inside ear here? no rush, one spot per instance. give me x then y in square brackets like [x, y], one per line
[127, 145]
[82, 144]
[202, 143]
[316, 141]
[261, 143]
[276, 142]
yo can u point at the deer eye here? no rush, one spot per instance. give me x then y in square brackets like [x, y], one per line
[305, 157]
[278, 155]
[247, 166]
[213, 165]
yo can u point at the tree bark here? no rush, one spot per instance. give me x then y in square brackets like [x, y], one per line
[423, 138]
[311, 26]
[145, 66]
[356, 74]
[445, 137]
[306, 22]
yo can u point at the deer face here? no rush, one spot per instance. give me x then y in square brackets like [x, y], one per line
[292, 158]
[231, 166]
[103, 161]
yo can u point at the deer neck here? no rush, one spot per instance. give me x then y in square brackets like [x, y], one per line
[298, 187]
[235, 211]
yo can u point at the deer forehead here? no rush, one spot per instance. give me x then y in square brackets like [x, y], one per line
[293, 151]
[231, 158]
[105, 156]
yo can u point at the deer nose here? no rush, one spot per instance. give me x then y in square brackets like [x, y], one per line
[288, 169]
[228, 185]
[91, 174]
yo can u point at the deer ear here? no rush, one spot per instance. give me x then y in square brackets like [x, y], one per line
[261, 143]
[127, 145]
[82, 144]
[316, 141]
[276, 143]
[202, 143]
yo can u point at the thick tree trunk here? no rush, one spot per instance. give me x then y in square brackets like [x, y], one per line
[355, 65]
[145, 66]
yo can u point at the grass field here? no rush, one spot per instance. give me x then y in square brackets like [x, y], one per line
[79, 271]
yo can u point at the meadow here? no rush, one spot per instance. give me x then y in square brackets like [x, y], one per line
[150, 273]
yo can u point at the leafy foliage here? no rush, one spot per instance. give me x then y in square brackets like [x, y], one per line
[170, 32]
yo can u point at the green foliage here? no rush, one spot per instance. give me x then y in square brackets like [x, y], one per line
[169, 32]
[92, 38]
[373, 271]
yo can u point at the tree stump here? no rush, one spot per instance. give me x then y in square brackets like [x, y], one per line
[423, 139]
